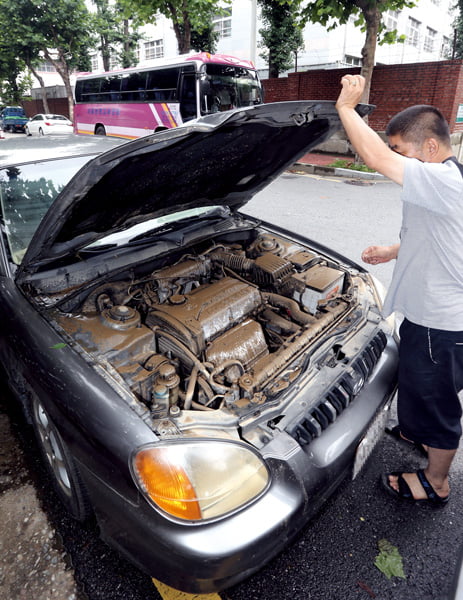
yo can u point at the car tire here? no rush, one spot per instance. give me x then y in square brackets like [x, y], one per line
[60, 464]
[27, 132]
[100, 130]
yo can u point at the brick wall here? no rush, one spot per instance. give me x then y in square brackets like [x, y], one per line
[56, 105]
[393, 88]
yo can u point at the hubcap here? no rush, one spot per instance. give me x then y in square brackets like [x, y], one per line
[53, 448]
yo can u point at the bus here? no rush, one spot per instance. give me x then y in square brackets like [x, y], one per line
[133, 102]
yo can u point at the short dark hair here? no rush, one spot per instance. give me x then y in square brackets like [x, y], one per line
[417, 123]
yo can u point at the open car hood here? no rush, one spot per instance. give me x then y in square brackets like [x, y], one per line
[221, 159]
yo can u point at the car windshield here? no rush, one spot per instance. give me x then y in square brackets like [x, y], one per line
[26, 193]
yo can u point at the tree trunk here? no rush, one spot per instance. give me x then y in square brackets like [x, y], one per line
[273, 72]
[183, 37]
[372, 16]
[63, 70]
[39, 78]
[105, 53]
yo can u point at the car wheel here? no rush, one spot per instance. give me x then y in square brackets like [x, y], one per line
[41, 131]
[100, 130]
[60, 464]
[27, 132]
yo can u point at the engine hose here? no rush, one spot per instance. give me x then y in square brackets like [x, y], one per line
[191, 388]
[290, 305]
[234, 261]
[273, 364]
[218, 389]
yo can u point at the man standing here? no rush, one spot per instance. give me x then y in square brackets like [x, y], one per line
[427, 283]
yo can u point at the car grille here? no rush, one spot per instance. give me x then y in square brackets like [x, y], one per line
[340, 395]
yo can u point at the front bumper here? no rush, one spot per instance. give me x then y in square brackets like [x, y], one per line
[203, 558]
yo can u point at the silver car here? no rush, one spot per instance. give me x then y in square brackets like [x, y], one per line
[199, 381]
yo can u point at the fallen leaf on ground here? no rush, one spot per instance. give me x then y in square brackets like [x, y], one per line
[389, 560]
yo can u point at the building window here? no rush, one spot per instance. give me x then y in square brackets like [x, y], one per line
[223, 24]
[413, 32]
[114, 62]
[154, 49]
[446, 47]
[392, 17]
[430, 40]
[354, 61]
[46, 67]
[94, 62]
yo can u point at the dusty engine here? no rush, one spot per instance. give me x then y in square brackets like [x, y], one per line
[221, 329]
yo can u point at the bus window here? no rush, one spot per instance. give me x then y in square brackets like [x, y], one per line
[90, 90]
[228, 87]
[133, 86]
[110, 87]
[188, 97]
[162, 85]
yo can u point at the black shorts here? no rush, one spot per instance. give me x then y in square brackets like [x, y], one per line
[430, 377]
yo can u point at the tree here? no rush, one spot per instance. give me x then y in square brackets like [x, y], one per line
[186, 15]
[205, 39]
[11, 67]
[117, 35]
[369, 15]
[57, 30]
[458, 33]
[281, 34]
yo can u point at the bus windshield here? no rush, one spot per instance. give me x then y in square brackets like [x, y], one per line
[224, 87]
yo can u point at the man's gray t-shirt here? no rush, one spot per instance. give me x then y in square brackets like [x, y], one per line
[427, 283]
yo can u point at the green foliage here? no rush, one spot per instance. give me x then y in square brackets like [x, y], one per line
[281, 34]
[57, 30]
[369, 18]
[186, 15]
[458, 29]
[348, 164]
[116, 35]
[205, 39]
[332, 13]
[389, 560]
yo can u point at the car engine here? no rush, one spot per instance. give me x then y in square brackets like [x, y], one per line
[226, 327]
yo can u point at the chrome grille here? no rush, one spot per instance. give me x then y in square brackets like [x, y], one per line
[340, 395]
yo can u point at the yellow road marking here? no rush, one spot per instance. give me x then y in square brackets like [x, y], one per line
[168, 593]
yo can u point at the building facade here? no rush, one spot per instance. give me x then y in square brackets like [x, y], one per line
[427, 29]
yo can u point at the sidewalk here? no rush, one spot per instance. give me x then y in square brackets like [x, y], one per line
[316, 163]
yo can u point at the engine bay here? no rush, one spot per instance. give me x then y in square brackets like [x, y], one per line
[229, 325]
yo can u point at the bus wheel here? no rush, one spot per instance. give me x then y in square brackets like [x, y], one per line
[100, 130]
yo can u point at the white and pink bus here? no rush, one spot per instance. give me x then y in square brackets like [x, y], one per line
[134, 102]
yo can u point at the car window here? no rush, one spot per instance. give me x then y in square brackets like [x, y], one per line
[26, 193]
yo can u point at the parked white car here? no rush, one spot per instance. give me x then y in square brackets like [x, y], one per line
[45, 124]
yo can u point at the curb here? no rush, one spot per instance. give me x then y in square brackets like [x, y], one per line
[349, 173]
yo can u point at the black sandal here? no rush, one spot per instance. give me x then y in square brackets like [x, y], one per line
[433, 499]
[395, 433]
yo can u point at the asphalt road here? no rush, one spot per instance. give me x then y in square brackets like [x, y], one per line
[334, 556]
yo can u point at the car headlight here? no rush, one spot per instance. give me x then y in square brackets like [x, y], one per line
[379, 288]
[380, 296]
[199, 479]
